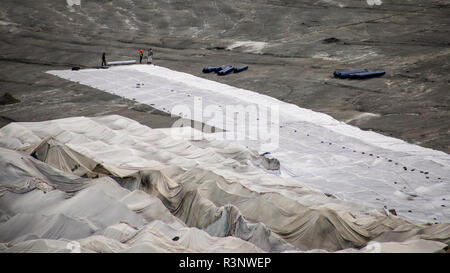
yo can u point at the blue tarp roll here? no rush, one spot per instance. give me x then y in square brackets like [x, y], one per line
[222, 67]
[345, 73]
[366, 75]
[210, 69]
[226, 70]
[240, 69]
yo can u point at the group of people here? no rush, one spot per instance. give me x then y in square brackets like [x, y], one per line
[141, 56]
[149, 56]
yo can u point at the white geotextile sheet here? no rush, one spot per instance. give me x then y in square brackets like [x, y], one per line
[315, 149]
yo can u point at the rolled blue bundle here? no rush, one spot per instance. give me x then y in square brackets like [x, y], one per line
[210, 69]
[222, 67]
[345, 73]
[226, 70]
[366, 75]
[240, 69]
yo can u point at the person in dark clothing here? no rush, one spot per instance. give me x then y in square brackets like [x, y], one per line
[104, 59]
[141, 54]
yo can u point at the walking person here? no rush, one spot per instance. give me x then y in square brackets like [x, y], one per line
[141, 54]
[104, 59]
[150, 56]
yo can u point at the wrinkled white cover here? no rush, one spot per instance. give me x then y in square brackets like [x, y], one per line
[197, 181]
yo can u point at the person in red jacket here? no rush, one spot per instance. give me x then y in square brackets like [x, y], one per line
[141, 54]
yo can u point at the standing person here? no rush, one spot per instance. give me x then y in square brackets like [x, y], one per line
[150, 56]
[104, 59]
[141, 54]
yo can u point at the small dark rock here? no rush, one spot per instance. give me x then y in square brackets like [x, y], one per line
[393, 212]
[7, 98]
[330, 195]
[330, 40]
